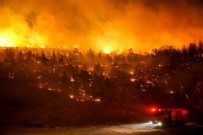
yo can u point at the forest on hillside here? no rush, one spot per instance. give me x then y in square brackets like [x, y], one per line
[56, 87]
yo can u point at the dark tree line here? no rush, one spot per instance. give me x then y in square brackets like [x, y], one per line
[51, 84]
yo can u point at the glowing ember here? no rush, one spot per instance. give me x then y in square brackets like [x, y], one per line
[131, 72]
[132, 79]
[97, 100]
[71, 96]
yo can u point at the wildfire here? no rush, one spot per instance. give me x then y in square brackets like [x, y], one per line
[37, 40]
[107, 50]
[99, 25]
[10, 38]
[7, 39]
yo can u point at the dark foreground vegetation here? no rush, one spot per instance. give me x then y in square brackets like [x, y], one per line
[49, 87]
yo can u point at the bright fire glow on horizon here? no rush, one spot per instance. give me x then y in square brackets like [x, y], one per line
[107, 51]
[100, 25]
[7, 39]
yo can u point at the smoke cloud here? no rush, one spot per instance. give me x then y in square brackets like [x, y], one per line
[98, 24]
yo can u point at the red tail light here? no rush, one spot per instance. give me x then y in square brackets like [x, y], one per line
[153, 109]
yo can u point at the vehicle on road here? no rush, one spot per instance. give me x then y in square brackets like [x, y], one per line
[169, 116]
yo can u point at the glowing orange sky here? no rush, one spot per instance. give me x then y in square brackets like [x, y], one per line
[101, 24]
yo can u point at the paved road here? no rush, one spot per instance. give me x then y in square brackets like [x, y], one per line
[125, 129]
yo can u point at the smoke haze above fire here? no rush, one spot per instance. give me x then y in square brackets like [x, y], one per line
[101, 24]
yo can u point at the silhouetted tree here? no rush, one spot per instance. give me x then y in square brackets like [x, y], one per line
[9, 55]
[192, 51]
[200, 50]
[29, 56]
[20, 57]
[90, 54]
[53, 57]
[184, 52]
[43, 58]
[98, 69]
